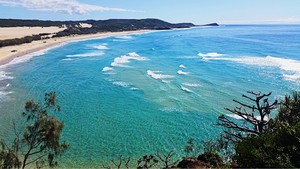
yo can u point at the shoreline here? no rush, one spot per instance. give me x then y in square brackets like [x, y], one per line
[7, 55]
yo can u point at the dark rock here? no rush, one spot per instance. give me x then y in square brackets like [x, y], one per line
[211, 158]
[191, 163]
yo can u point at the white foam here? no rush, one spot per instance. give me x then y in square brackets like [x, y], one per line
[91, 54]
[157, 75]
[186, 89]
[24, 58]
[124, 37]
[266, 118]
[134, 88]
[121, 84]
[4, 95]
[182, 66]
[166, 81]
[123, 60]
[191, 84]
[5, 76]
[180, 72]
[103, 46]
[212, 54]
[105, 69]
[67, 59]
[3, 90]
[290, 67]
[234, 116]
[294, 77]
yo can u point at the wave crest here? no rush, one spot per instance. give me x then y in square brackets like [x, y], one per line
[186, 89]
[105, 69]
[91, 54]
[103, 46]
[211, 54]
[191, 84]
[157, 75]
[290, 67]
[180, 72]
[123, 60]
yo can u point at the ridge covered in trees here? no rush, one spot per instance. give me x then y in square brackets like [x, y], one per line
[97, 26]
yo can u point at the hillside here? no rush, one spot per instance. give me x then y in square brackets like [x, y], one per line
[77, 28]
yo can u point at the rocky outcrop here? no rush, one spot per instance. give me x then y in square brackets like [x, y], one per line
[191, 163]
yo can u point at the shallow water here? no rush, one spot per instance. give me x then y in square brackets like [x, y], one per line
[138, 94]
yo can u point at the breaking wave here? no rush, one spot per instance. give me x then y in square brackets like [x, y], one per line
[180, 72]
[5, 76]
[121, 84]
[212, 54]
[105, 69]
[126, 85]
[158, 75]
[3, 89]
[191, 84]
[290, 67]
[91, 54]
[186, 89]
[182, 66]
[124, 37]
[123, 60]
[103, 46]
[67, 59]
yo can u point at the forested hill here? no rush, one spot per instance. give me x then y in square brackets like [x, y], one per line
[94, 26]
[100, 25]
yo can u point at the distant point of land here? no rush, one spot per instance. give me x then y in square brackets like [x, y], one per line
[211, 24]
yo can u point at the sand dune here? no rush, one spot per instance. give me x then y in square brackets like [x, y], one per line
[19, 32]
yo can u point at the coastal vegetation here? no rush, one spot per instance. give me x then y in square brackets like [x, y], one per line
[18, 41]
[96, 26]
[265, 135]
[38, 139]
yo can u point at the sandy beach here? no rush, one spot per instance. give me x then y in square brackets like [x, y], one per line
[8, 53]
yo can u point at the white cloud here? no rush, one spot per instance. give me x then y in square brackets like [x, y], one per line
[62, 6]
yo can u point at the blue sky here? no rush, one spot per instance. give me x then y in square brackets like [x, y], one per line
[196, 11]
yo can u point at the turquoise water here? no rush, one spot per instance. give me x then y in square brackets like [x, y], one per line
[141, 93]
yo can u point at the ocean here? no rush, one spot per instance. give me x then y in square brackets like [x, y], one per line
[137, 94]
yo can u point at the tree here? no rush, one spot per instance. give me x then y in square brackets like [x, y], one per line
[166, 159]
[274, 149]
[289, 110]
[279, 146]
[38, 140]
[255, 117]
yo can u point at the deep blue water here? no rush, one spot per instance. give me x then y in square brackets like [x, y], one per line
[141, 93]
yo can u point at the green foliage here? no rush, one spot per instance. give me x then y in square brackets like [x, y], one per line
[280, 145]
[289, 112]
[39, 140]
[18, 41]
[277, 149]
